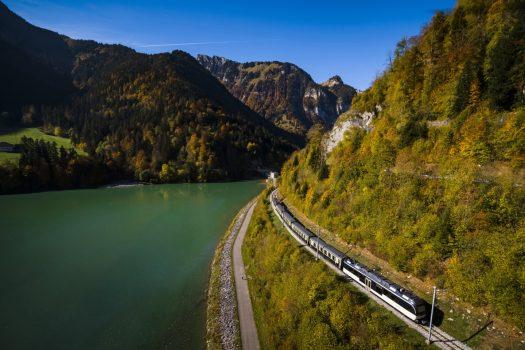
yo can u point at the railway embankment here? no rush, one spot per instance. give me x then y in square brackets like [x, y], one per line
[474, 326]
[300, 303]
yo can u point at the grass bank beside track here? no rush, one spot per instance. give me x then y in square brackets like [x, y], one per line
[300, 303]
[476, 327]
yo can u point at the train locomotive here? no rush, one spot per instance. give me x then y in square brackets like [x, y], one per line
[406, 302]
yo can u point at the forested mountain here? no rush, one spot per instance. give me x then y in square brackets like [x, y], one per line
[164, 115]
[152, 117]
[52, 48]
[34, 66]
[282, 92]
[430, 172]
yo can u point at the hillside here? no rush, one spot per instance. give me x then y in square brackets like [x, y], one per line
[160, 118]
[299, 303]
[282, 92]
[427, 169]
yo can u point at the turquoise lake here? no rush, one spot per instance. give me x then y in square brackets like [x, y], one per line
[112, 268]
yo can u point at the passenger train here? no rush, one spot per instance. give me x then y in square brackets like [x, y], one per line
[401, 299]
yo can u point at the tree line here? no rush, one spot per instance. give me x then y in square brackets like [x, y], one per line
[44, 166]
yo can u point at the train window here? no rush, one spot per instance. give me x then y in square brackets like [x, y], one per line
[399, 301]
[405, 305]
[376, 287]
[356, 272]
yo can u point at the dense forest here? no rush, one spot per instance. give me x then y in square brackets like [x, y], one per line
[156, 118]
[434, 184]
[164, 118]
[300, 304]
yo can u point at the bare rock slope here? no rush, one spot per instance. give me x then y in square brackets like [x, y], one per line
[282, 92]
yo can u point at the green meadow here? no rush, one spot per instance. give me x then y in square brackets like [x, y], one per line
[14, 137]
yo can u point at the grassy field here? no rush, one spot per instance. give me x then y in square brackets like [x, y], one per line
[14, 137]
[9, 157]
[299, 303]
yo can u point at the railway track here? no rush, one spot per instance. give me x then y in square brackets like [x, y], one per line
[442, 339]
[439, 337]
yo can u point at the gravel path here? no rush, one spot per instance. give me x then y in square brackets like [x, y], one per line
[229, 324]
[249, 337]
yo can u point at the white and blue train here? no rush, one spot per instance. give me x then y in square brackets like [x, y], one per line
[406, 302]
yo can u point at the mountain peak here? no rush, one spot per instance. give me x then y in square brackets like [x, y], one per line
[217, 60]
[335, 80]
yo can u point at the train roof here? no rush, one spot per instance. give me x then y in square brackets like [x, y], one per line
[315, 238]
[385, 283]
[288, 216]
[303, 229]
[336, 252]
[331, 249]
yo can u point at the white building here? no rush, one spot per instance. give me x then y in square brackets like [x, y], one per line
[272, 178]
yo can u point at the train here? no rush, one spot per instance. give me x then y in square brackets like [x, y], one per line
[403, 300]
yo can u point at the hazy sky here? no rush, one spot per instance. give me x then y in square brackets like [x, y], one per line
[350, 38]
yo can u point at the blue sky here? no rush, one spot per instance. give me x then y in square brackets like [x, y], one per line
[350, 38]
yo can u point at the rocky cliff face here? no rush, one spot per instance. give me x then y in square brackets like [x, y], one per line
[344, 93]
[282, 92]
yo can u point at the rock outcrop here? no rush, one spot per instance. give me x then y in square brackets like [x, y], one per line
[348, 120]
[343, 92]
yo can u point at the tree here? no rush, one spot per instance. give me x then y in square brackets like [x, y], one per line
[28, 115]
[167, 172]
[500, 58]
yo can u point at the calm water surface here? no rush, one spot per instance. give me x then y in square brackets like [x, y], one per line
[120, 268]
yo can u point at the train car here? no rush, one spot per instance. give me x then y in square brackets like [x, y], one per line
[334, 255]
[288, 218]
[275, 202]
[277, 205]
[302, 231]
[401, 299]
[279, 208]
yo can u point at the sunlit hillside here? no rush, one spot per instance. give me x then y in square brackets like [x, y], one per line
[434, 182]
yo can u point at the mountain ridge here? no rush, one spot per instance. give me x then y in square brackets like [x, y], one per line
[282, 92]
[158, 118]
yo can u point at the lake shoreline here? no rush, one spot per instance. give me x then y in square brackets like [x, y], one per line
[126, 183]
